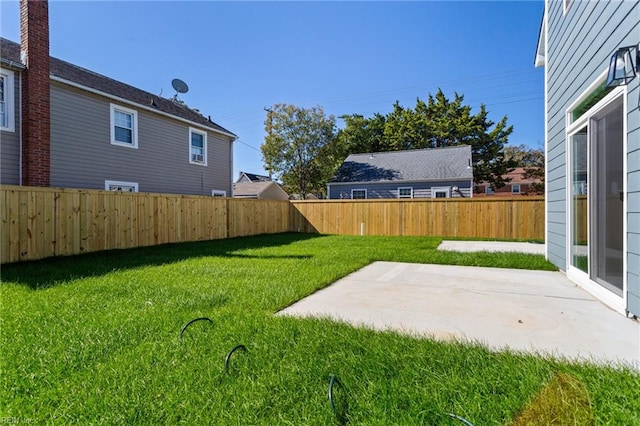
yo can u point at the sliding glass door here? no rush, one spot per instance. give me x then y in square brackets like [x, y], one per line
[607, 205]
[597, 196]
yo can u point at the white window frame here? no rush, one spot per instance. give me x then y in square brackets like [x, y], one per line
[108, 183]
[582, 278]
[445, 189]
[9, 101]
[513, 188]
[193, 130]
[218, 193]
[365, 194]
[134, 123]
[405, 196]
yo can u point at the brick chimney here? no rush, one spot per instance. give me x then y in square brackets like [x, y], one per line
[36, 93]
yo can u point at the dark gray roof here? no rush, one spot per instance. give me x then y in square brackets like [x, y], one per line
[256, 178]
[412, 165]
[10, 51]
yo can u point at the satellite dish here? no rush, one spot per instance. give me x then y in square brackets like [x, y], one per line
[179, 85]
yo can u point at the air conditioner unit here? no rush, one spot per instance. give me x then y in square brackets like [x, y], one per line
[198, 158]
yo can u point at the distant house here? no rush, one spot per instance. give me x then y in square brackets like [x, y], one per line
[251, 177]
[517, 184]
[589, 50]
[250, 185]
[264, 190]
[421, 173]
[65, 126]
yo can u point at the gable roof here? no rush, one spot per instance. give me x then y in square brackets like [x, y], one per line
[517, 176]
[65, 72]
[254, 178]
[411, 165]
[253, 189]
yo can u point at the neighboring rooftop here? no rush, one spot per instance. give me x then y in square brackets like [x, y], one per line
[263, 190]
[10, 51]
[249, 189]
[517, 176]
[251, 177]
[411, 165]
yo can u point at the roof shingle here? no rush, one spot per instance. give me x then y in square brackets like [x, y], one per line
[411, 165]
[10, 51]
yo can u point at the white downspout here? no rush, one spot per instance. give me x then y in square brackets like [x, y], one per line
[231, 166]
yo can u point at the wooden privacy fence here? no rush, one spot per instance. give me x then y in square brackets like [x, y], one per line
[43, 222]
[517, 217]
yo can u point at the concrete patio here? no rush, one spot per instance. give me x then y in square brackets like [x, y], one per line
[530, 311]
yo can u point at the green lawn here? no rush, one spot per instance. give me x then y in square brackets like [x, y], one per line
[95, 339]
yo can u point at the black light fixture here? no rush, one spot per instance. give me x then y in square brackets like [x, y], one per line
[623, 66]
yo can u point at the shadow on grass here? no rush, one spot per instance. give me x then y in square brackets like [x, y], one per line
[46, 273]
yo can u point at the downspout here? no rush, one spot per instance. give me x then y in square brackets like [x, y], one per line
[20, 132]
[231, 165]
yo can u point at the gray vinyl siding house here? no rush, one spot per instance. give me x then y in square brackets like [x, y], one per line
[420, 173]
[83, 152]
[592, 148]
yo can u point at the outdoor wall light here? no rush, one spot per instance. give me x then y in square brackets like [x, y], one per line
[623, 66]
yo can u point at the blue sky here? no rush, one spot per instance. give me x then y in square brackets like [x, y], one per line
[347, 57]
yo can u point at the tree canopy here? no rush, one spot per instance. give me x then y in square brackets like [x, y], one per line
[299, 149]
[439, 122]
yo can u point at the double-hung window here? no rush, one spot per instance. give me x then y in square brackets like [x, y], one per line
[124, 126]
[197, 147]
[6, 100]
[406, 192]
[515, 188]
[358, 194]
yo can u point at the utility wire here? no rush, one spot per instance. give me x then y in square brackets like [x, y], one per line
[501, 76]
[246, 144]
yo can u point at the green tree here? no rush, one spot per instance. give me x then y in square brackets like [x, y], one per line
[524, 156]
[362, 134]
[439, 122]
[404, 129]
[300, 148]
[487, 147]
[449, 123]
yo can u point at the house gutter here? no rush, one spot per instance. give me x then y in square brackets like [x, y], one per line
[140, 106]
[366, 182]
[12, 64]
[231, 167]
